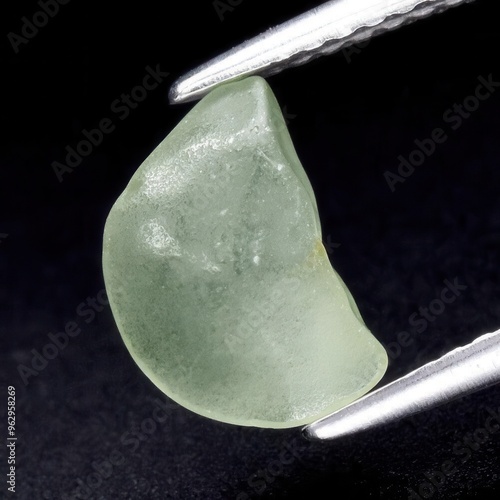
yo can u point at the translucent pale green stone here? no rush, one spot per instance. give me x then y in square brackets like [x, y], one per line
[217, 277]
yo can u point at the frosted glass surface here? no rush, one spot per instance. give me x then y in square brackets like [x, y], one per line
[217, 277]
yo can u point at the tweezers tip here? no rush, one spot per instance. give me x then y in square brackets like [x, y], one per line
[309, 433]
[184, 89]
[175, 94]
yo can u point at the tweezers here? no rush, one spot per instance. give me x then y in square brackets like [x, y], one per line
[324, 30]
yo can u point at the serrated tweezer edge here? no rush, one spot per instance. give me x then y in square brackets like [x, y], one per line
[321, 31]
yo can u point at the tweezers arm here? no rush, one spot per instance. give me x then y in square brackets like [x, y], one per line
[320, 31]
[460, 372]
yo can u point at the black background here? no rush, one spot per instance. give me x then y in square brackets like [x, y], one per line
[350, 120]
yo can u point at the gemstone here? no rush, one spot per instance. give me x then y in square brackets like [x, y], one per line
[217, 278]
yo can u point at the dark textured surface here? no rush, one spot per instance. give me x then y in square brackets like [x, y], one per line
[350, 122]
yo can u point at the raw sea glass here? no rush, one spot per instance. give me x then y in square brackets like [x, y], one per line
[217, 277]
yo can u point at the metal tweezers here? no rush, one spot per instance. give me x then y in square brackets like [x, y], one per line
[324, 30]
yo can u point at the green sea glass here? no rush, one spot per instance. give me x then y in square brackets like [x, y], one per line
[217, 277]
